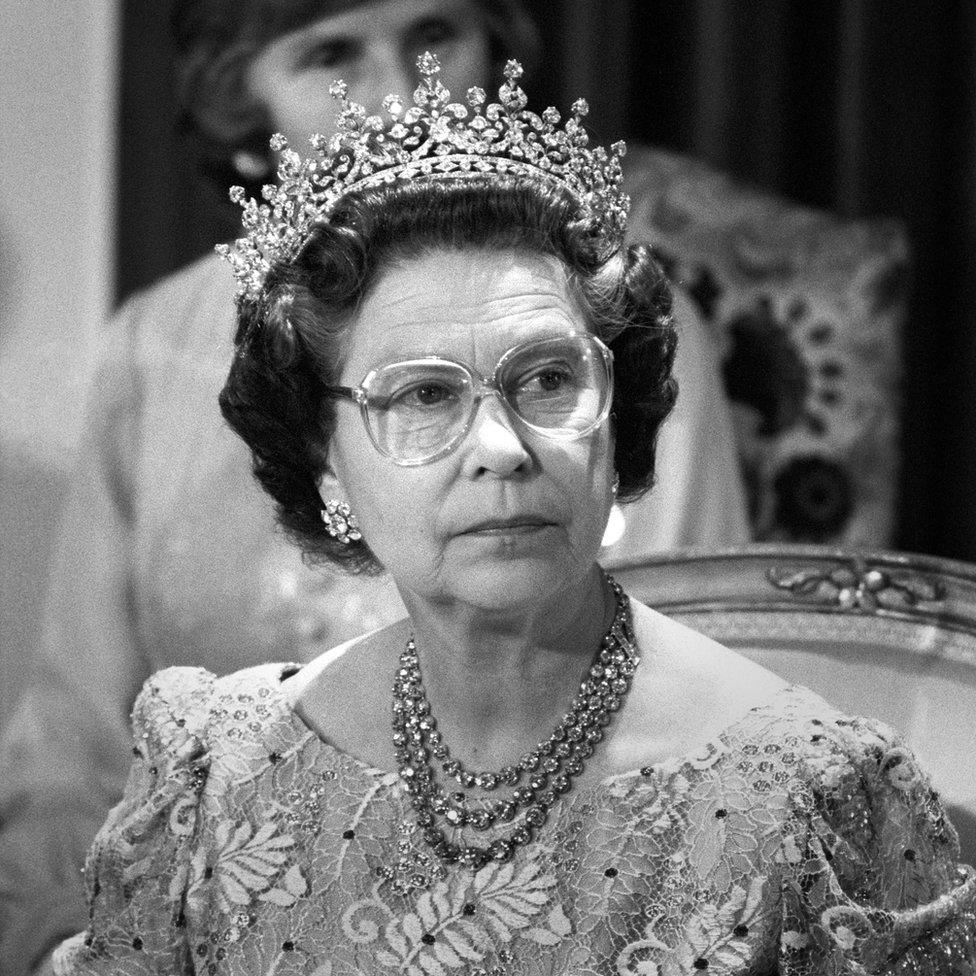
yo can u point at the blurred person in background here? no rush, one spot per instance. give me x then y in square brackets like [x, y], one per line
[167, 553]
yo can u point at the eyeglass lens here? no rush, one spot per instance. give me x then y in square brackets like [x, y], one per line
[558, 386]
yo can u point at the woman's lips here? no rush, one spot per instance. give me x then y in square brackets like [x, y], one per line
[516, 525]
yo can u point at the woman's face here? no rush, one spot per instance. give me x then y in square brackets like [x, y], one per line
[374, 48]
[427, 524]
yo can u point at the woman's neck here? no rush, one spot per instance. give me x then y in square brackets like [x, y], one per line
[498, 683]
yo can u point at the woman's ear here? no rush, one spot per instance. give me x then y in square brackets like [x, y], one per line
[329, 486]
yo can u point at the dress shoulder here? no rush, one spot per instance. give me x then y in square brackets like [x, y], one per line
[170, 713]
[188, 711]
[871, 880]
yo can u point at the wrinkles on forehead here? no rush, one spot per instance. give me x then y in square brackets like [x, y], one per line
[469, 305]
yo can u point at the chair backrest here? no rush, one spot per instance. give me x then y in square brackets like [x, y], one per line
[806, 308]
[885, 634]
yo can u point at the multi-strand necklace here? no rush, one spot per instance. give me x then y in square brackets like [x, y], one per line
[537, 779]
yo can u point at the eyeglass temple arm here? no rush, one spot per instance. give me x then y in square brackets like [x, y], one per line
[358, 395]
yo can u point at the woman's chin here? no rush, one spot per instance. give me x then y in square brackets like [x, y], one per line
[513, 581]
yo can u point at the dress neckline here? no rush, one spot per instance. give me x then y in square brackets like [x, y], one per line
[660, 771]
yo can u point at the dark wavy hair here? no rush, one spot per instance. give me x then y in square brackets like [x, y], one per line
[292, 344]
[217, 40]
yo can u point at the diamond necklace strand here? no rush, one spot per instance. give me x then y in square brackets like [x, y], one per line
[550, 768]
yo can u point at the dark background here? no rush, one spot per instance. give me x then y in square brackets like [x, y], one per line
[865, 107]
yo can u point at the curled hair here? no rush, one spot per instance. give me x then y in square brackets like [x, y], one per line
[216, 42]
[292, 344]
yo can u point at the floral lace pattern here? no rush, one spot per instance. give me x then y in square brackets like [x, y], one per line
[799, 842]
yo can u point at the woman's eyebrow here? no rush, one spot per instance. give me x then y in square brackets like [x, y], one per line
[323, 37]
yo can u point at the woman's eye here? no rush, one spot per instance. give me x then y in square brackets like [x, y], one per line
[550, 380]
[327, 54]
[432, 394]
[425, 395]
[432, 33]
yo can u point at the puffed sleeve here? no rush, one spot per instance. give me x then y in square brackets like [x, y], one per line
[871, 880]
[137, 869]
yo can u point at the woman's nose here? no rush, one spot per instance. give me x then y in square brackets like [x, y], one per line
[386, 74]
[497, 442]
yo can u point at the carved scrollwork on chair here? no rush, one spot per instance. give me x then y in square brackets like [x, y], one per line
[856, 585]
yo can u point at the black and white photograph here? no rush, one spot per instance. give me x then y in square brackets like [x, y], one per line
[487, 488]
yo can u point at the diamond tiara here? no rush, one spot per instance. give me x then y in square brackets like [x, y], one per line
[433, 139]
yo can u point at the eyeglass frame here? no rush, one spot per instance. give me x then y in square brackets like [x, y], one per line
[481, 388]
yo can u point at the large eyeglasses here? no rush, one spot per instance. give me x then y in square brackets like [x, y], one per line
[419, 410]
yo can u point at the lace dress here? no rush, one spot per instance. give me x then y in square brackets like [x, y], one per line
[799, 841]
[192, 570]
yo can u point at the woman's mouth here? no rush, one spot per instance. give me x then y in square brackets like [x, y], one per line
[513, 525]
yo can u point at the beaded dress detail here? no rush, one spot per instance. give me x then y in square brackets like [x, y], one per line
[798, 842]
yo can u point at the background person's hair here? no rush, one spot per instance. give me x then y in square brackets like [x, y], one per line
[292, 344]
[216, 41]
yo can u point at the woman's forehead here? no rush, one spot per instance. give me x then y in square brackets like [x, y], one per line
[271, 20]
[303, 19]
[464, 304]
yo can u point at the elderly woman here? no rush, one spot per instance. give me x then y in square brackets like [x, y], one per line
[448, 366]
[168, 553]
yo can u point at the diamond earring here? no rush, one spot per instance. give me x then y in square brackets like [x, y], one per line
[615, 487]
[340, 523]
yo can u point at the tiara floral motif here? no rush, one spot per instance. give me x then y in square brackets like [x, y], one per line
[433, 139]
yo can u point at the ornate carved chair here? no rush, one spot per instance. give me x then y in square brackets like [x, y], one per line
[805, 308]
[884, 634]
